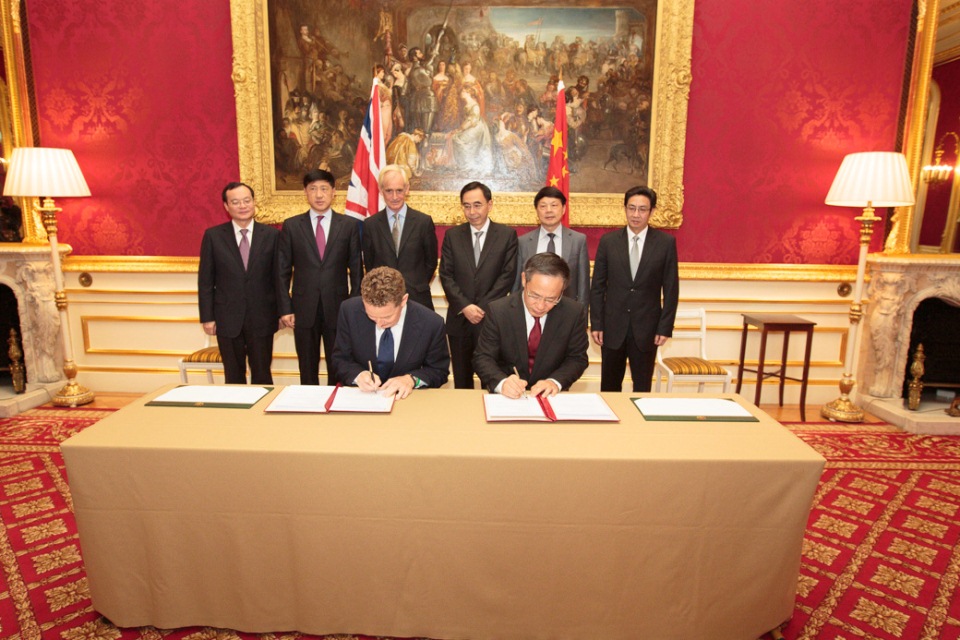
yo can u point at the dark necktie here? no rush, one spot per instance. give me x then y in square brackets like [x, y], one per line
[533, 343]
[321, 237]
[244, 248]
[551, 245]
[385, 355]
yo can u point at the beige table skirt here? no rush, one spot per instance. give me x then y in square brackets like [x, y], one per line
[430, 522]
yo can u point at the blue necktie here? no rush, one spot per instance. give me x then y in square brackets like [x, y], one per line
[385, 355]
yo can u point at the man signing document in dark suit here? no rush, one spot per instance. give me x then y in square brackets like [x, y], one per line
[633, 268]
[478, 262]
[387, 343]
[320, 251]
[537, 339]
[401, 237]
[236, 286]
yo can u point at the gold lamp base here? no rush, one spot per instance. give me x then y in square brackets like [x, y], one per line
[73, 395]
[842, 410]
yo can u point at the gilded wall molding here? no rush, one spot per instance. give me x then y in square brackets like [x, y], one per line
[688, 270]
[672, 78]
[898, 239]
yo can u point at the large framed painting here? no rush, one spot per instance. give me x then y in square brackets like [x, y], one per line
[467, 92]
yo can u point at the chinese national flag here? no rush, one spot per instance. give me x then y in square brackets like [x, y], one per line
[557, 173]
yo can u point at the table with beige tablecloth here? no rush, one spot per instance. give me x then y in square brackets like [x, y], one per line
[430, 522]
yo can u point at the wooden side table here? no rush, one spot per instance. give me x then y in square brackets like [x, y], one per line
[776, 323]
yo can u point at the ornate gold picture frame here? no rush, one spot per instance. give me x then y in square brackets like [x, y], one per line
[257, 130]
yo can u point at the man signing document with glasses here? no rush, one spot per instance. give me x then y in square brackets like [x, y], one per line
[534, 342]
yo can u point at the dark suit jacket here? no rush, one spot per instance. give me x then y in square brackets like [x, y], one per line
[617, 300]
[418, 250]
[562, 354]
[331, 281]
[230, 295]
[423, 347]
[574, 252]
[465, 283]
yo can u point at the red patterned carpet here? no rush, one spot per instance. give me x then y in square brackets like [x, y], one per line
[881, 558]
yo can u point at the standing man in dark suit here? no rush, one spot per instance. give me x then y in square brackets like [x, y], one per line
[633, 268]
[403, 342]
[478, 262]
[236, 286]
[537, 339]
[320, 251]
[402, 238]
[554, 237]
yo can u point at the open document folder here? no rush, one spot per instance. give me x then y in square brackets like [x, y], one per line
[690, 409]
[586, 407]
[313, 399]
[217, 396]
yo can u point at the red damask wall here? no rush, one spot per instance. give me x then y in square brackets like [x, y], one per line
[781, 92]
[141, 92]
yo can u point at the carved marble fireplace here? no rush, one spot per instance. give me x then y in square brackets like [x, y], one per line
[898, 284]
[27, 270]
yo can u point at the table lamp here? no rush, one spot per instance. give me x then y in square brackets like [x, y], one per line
[48, 173]
[870, 179]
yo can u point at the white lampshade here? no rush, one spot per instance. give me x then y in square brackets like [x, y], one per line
[44, 172]
[873, 178]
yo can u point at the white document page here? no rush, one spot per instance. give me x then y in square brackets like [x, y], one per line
[589, 407]
[213, 394]
[500, 407]
[352, 399]
[301, 398]
[691, 407]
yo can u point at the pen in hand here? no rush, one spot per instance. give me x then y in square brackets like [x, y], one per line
[518, 377]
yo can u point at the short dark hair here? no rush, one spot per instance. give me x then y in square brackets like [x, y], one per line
[549, 192]
[383, 286]
[321, 175]
[641, 191]
[547, 264]
[234, 185]
[470, 186]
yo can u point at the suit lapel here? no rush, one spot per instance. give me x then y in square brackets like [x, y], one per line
[335, 229]
[256, 245]
[233, 248]
[411, 331]
[567, 250]
[488, 242]
[647, 255]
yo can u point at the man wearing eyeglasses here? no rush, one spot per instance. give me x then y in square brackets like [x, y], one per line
[634, 267]
[535, 342]
[478, 262]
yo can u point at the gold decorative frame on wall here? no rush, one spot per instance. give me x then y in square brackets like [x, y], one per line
[672, 78]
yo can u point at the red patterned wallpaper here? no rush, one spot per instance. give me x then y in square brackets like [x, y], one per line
[781, 92]
[947, 77]
[141, 92]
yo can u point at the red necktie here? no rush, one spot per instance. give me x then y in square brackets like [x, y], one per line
[533, 343]
[321, 237]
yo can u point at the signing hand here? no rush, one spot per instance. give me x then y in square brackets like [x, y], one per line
[513, 387]
[367, 381]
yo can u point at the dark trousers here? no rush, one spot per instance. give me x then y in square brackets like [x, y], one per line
[613, 365]
[461, 357]
[307, 342]
[236, 351]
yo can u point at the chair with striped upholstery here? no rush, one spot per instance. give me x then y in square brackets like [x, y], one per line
[690, 368]
[207, 359]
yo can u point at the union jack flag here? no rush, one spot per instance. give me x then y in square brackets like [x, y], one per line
[363, 194]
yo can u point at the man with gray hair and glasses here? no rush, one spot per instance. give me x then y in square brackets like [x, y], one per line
[534, 342]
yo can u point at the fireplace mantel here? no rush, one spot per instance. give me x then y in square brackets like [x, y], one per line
[27, 270]
[897, 285]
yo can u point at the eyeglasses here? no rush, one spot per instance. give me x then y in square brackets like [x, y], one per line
[537, 298]
[633, 209]
[476, 206]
